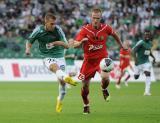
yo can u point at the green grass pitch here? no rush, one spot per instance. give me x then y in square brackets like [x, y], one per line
[34, 102]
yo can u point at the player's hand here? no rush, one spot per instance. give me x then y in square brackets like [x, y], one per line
[27, 52]
[71, 42]
[125, 48]
[84, 39]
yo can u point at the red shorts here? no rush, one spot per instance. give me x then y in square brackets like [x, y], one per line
[89, 68]
[123, 66]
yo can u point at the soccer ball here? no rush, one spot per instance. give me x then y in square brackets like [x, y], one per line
[106, 64]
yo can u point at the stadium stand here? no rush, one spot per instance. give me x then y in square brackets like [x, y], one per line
[128, 17]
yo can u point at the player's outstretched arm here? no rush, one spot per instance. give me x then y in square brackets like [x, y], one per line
[116, 37]
[28, 48]
[58, 43]
[75, 44]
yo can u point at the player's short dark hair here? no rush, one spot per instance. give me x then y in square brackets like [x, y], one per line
[50, 15]
[147, 30]
[96, 10]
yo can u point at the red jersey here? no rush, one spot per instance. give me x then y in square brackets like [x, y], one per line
[125, 58]
[95, 47]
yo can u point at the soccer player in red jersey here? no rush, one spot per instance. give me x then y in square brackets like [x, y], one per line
[124, 63]
[93, 39]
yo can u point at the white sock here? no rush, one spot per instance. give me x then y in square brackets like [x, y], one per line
[147, 84]
[60, 74]
[62, 92]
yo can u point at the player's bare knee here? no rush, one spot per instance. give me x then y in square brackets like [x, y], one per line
[106, 79]
[54, 67]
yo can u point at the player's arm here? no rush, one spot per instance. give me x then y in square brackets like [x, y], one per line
[57, 43]
[154, 59]
[116, 37]
[111, 32]
[28, 48]
[79, 40]
[32, 38]
[62, 41]
[76, 43]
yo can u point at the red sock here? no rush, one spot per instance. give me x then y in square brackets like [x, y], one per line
[84, 94]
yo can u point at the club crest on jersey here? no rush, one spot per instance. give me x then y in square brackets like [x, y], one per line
[101, 38]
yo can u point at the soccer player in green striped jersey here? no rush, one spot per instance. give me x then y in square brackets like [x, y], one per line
[141, 52]
[52, 43]
[70, 55]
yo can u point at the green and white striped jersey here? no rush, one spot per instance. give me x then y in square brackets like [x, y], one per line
[142, 49]
[44, 37]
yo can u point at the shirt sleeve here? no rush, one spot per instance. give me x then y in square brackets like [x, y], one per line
[62, 35]
[109, 30]
[137, 46]
[80, 35]
[33, 36]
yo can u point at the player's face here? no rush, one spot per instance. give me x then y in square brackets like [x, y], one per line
[50, 24]
[147, 36]
[96, 18]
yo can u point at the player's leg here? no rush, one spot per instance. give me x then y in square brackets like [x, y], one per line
[137, 71]
[147, 83]
[57, 66]
[147, 68]
[62, 75]
[62, 92]
[85, 94]
[88, 70]
[119, 79]
[104, 84]
[127, 77]
[71, 71]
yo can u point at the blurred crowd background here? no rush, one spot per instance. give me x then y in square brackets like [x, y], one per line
[128, 17]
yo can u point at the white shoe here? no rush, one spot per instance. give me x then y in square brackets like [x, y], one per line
[126, 84]
[147, 94]
[117, 86]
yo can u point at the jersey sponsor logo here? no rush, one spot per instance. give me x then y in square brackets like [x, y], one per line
[147, 52]
[48, 46]
[95, 47]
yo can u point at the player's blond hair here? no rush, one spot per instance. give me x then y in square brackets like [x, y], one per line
[49, 16]
[96, 10]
